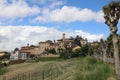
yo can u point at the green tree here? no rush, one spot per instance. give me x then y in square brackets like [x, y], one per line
[66, 53]
[84, 50]
[104, 49]
[77, 40]
[52, 51]
[76, 53]
[6, 56]
[112, 16]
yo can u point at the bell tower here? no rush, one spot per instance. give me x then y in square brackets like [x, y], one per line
[63, 36]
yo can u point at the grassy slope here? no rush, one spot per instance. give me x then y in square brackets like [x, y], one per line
[91, 69]
[49, 59]
[73, 69]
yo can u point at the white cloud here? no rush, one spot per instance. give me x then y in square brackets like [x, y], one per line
[17, 36]
[90, 37]
[16, 9]
[99, 16]
[69, 14]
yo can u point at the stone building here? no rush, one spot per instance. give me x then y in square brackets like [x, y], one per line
[28, 51]
[43, 46]
[65, 42]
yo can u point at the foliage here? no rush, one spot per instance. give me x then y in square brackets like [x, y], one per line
[49, 59]
[110, 45]
[52, 51]
[76, 53]
[90, 69]
[90, 51]
[67, 53]
[112, 16]
[77, 40]
[2, 71]
[16, 62]
[6, 56]
[84, 50]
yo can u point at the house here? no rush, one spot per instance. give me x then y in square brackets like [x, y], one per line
[14, 55]
[28, 52]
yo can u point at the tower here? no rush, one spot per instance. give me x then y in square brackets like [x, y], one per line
[63, 36]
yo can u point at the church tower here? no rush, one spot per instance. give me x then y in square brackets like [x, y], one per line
[63, 36]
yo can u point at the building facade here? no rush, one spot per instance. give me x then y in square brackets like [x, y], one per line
[37, 51]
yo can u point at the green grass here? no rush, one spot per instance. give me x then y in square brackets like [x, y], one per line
[16, 62]
[49, 59]
[2, 71]
[90, 69]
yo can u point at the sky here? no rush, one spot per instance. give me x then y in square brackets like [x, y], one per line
[33, 21]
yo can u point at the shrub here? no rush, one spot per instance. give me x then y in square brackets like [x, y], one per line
[91, 69]
[48, 59]
[2, 71]
[17, 62]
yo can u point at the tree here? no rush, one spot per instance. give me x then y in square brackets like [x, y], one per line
[77, 40]
[6, 56]
[104, 47]
[76, 52]
[66, 53]
[52, 51]
[84, 50]
[110, 46]
[112, 16]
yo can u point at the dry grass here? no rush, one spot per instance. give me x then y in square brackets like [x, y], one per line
[111, 78]
[13, 70]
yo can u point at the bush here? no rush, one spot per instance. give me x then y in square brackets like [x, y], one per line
[16, 62]
[2, 71]
[48, 59]
[91, 69]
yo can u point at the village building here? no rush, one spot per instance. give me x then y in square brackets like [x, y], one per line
[14, 55]
[26, 52]
[47, 45]
[69, 43]
[29, 51]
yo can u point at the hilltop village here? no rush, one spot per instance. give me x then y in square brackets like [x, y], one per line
[44, 48]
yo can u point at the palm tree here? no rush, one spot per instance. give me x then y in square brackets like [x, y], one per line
[112, 16]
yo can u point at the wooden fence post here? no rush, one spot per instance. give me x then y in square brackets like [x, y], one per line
[43, 76]
[29, 76]
[51, 73]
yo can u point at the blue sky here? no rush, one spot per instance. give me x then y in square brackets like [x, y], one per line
[32, 21]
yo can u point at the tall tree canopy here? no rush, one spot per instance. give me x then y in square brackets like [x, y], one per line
[112, 16]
